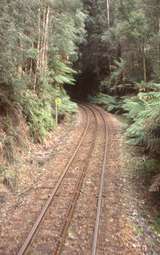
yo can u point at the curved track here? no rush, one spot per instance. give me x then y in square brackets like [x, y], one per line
[76, 193]
[101, 186]
[63, 199]
[30, 238]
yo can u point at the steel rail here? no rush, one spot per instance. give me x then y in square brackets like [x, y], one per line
[100, 195]
[77, 191]
[42, 214]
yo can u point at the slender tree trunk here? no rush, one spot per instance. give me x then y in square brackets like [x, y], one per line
[38, 48]
[108, 12]
[44, 43]
[144, 64]
[46, 40]
[20, 65]
[158, 45]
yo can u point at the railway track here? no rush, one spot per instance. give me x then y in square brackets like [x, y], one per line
[87, 225]
[101, 186]
[49, 232]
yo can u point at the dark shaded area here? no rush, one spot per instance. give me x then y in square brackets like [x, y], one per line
[93, 66]
[94, 57]
[87, 84]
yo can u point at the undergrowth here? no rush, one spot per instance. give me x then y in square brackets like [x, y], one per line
[109, 103]
[40, 111]
[39, 115]
[143, 113]
[143, 131]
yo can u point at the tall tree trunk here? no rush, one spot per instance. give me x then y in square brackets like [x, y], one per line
[144, 64]
[42, 43]
[159, 44]
[46, 41]
[108, 12]
[37, 71]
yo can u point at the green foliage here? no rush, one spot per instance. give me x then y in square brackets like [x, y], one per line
[40, 112]
[151, 166]
[39, 115]
[31, 53]
[117, 83]
[143, 113]
[109, 103]
[68, 29]
[133, 35]
[61, 73]
[117, 74]
[67, 105]
[134, 26]
[148, 86]
[133, 106]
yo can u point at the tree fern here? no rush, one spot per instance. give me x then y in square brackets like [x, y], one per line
[108, 102]
[133, 107]
[144, 113]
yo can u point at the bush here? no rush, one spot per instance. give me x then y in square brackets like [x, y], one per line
[67, 106]
[39, 115]
[40, 111]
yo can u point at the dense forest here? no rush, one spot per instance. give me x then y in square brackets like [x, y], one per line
[102, 50]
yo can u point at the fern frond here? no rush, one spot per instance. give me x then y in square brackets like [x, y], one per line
[108, 102]
[133, 107]
[62, 73]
